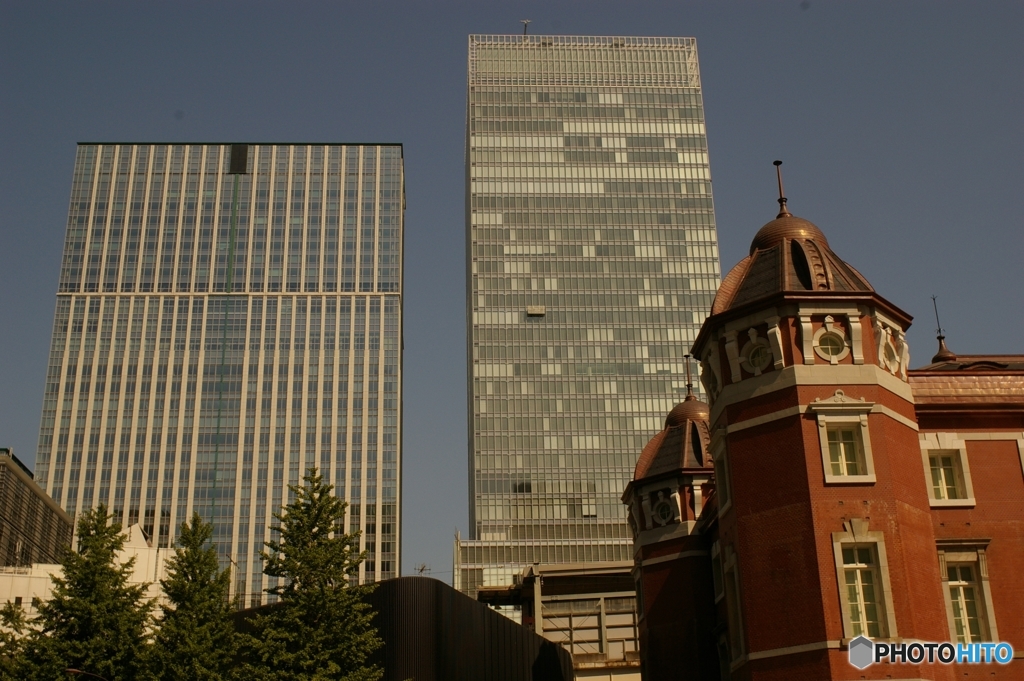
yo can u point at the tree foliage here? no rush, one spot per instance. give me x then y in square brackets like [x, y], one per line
[321, 629]
[196, 638]
[13, 626]
[95, 619]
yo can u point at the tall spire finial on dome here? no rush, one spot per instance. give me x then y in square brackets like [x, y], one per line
[783, 210]
[944, 354]
[938, 324]
[689, 381]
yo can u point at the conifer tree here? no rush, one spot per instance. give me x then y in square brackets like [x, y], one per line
[95, 620]
[196, 639]
[322, 628]
[12, 643]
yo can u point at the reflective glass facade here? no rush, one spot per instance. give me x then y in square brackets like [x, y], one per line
[592, 262]
[216, 334]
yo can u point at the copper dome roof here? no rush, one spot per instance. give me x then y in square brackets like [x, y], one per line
[690, 409]
[682, 443]
[788, 255]
[786, 226]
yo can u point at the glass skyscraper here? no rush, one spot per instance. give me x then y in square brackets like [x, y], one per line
[228, 316]
[592, 261]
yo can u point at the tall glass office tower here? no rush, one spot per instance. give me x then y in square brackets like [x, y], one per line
[228, 316]
[592, 260]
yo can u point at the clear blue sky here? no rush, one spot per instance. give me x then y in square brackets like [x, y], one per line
[901, 125]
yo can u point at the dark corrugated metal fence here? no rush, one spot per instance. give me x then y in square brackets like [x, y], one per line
[432, 632]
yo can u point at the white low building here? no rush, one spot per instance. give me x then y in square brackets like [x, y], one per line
[23, 585]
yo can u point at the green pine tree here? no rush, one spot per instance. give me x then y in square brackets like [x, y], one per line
[196, 639]
[13, 628]
[322, 628]
[95, 620]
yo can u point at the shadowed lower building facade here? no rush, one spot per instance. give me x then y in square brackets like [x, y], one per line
[589, 609]
[827, 491]
[33, 528]
[228, 316]
[591, 262]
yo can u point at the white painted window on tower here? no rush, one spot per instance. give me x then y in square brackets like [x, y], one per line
[863, 591]
[845, 452]
[844, 439]
[947, 476]
[965, 595]
[947, 470]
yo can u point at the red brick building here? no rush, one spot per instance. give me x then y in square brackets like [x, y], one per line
[828, 490]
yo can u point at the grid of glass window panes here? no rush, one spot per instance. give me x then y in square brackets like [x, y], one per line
[158, 404]
[593, 261]
[158, 218]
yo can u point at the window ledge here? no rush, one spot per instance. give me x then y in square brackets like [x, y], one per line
[851, 480]
[844, 643]
[969, 502]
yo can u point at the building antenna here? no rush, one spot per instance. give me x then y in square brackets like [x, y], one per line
[783, 211]
[526, 24]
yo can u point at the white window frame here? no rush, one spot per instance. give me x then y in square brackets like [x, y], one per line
[947, 443]
[829, 327]
[847, 436]
[638, 581]
[857, 534]
[733, 608]
[842, 411]
[725, 665]
[861, 568]
[717, 572]
[961, 604]
[753, 344]
[719, 455]
[968, 553]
